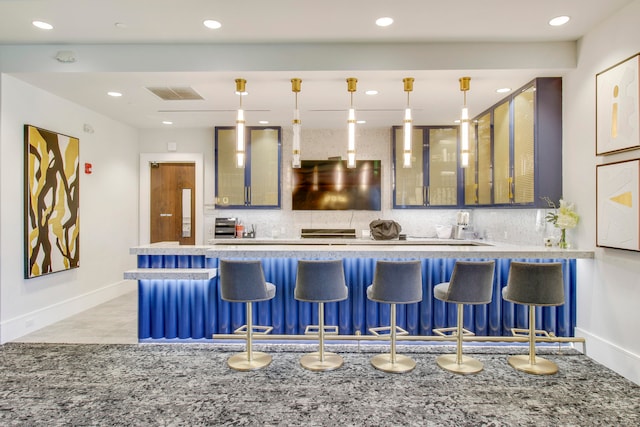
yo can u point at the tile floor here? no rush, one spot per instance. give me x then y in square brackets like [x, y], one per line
[114, 322]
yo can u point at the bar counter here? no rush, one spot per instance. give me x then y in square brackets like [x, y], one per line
[174, 305]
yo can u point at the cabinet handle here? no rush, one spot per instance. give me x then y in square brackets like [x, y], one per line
[510, 189]
[249, 196]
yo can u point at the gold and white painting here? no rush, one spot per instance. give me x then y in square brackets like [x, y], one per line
[618, 213]
[617, 105]
[52, 223]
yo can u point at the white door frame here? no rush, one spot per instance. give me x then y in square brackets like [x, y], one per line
[145, 191]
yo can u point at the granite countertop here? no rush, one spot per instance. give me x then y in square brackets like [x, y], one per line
[359, 248]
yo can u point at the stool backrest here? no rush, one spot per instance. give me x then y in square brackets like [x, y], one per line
[242, 280]
[397, 282]
[471, 282]
[535, 284]
[320, 281]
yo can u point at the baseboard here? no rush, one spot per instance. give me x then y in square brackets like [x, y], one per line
[16, 327]
[612, 356]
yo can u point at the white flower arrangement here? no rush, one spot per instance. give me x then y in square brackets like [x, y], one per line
[563, 218]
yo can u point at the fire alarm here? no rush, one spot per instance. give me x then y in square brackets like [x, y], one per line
[87, 168]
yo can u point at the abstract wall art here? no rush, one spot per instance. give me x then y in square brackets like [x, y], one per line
[618, 213]
[617, 105]
[52, 223]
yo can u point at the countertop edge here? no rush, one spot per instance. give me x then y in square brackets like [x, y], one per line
[355, 250]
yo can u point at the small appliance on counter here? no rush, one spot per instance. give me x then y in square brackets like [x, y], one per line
[225, 228]
[328, 233]
[461, 226]
[250, 234]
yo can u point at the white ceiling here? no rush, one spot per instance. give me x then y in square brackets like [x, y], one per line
[88, 29]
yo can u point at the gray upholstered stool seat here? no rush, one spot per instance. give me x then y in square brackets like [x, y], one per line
[534, 284]
[243, 281]
[321, 282]
[471, 283]
[395, 282]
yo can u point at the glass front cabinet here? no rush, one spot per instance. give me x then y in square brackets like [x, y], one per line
[518, 149]
[257, 184]
[432, 177]
[515, 155]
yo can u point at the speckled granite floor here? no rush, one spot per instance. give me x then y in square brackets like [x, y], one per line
[191, 385]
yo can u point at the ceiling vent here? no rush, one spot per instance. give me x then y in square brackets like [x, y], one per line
[175, 93]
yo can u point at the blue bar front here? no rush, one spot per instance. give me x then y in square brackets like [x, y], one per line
[193, 309]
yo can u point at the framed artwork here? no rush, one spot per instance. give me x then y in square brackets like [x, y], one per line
[52, 227]
[617, 105]
[618, 213]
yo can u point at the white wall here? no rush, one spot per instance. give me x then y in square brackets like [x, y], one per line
[108, 210]
[609, 287]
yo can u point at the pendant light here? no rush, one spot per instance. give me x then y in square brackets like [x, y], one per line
[295, 162]
[407, 124]
[351, 125]
[240, 125]
[464, 124]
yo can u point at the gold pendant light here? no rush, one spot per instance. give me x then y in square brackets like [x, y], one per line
[351, 125]
[295, 162]
[464, 124]
[240, 125]
[407, 124]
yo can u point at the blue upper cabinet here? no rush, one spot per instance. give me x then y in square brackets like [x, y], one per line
[430, 176]
[515, 155]
[257, 184]
[518, 149]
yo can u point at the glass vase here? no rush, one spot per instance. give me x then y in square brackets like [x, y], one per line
[562, 243]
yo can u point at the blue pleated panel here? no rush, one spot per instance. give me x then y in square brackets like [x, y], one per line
[194, 309]
[184, 309]
[144, 308]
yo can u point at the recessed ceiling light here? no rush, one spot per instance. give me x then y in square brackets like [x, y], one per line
[384, 21]
[42, 25]
[167, 122]
[503, 90]
[114, 94]
[212, 24]
[371, 92]
[264, 122]
[559, 20]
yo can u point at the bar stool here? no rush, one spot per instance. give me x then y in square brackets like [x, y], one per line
[243, 281]
[321, 282]
[395, 282]
[534, 284]
[470, 283]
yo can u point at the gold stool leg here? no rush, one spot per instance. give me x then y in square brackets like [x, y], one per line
[529, 363]
[249, 360]
[457, 363]
[393, 363]
[321, 360]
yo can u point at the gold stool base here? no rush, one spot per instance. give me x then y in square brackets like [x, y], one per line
[312, 361]
[402, 364]
[240, 361]
[542, 366]
[469, 365]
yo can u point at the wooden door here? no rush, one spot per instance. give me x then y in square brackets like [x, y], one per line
[172, 203]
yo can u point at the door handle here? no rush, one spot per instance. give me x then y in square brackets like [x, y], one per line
[166, 214]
